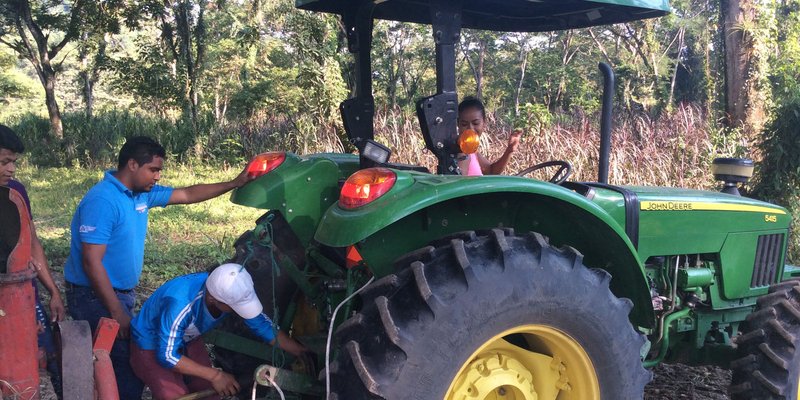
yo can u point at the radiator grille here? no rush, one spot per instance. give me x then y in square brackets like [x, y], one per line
[768, 255]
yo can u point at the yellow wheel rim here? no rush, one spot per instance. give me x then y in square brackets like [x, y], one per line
[550, 365]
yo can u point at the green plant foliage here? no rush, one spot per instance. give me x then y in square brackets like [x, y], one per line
[785, 61]
[95, 141]
[14, 85]
[533, 117]
[778, 174]
[147, 77]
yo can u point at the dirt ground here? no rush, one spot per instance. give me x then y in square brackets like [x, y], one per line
[677, 381]
[670, 382]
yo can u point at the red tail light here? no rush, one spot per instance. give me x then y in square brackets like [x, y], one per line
[365, 186]
[265, 162]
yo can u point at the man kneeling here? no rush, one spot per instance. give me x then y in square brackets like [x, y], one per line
[167, 346]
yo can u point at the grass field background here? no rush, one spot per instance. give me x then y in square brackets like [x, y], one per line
[180, 239]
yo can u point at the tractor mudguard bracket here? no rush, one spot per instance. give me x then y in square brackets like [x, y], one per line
[358, 112]
[438, 114]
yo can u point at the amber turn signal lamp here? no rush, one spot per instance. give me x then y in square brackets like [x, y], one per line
[364, 186]
[469, 141]
[265, 162]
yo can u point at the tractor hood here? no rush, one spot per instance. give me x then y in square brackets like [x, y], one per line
[661, 220]
[674, 199]
[511, 15]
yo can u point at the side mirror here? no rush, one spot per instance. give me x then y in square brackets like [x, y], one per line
[469, 141]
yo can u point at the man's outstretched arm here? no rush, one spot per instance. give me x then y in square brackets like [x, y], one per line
[202, 192]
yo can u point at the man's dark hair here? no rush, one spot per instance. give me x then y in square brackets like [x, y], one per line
[141, 149]
[10, 141]
[472, 102]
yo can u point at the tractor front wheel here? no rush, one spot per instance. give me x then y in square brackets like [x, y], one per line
[491, 317]
[769, 363]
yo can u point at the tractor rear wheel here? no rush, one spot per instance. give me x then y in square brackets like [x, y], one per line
[769, 363]
[491, 317]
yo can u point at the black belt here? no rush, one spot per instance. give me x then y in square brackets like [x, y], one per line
[71, 285]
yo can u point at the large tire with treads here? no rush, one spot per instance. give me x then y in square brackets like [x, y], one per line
[490, 316]
[768, 366]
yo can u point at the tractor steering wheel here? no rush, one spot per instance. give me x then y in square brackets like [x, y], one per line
[560, 176]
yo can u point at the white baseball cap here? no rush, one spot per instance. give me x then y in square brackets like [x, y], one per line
[232, 285]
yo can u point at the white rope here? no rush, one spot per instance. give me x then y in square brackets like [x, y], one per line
[271, 382]
[330, 334]
[16, 393]
[275, 385]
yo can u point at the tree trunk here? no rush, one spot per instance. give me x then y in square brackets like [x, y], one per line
[49, 83]
[681, 33]
[477, 69]
[566, 57]
[90, 69]
[743, 105]
[88, 97]
[391, 82]
[479, 74]
[40, 53]
[192, 49]
[523, 58]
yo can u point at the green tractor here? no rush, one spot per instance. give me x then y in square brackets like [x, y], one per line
[418, 285]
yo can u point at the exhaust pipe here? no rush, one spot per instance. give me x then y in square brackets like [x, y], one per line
[605, 122]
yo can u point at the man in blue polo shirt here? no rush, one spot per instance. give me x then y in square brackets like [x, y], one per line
[167, 351]
[107, 247]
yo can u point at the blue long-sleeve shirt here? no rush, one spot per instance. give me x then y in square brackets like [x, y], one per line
[177, 313]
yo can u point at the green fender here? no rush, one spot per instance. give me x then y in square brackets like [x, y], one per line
[301, 188]
[421, 208]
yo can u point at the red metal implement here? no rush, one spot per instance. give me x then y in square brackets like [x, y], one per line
[19, 370]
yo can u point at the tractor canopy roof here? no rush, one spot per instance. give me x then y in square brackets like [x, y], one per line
[511, 15]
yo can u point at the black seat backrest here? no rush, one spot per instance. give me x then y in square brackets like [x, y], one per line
[9, 227]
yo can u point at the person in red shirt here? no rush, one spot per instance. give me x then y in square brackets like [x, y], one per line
[10, 149]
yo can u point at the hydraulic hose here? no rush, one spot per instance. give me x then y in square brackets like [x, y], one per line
[662, 351]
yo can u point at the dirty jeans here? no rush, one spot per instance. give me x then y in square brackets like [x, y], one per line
[166, 384]
[46, 343]
[84, 305]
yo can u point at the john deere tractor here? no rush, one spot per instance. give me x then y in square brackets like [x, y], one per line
[417, 284]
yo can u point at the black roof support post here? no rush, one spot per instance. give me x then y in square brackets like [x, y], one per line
[438, 114]
[358, 112]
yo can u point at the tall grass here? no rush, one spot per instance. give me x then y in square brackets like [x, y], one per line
[675, 149]
[94, 142]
